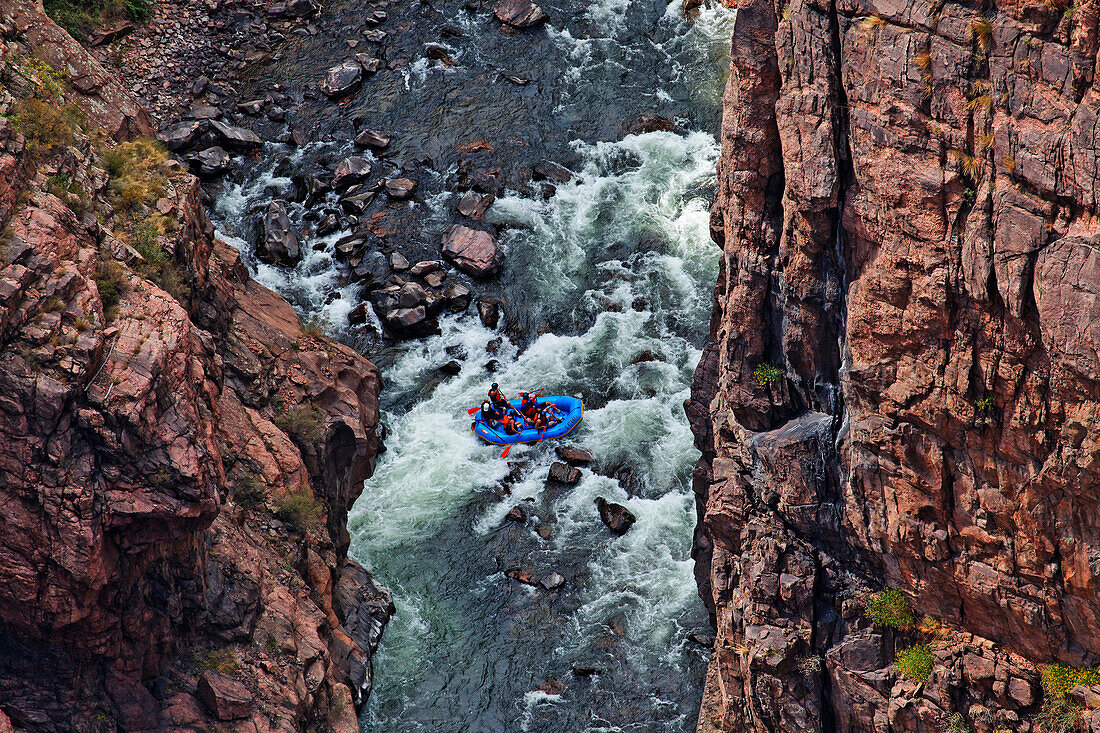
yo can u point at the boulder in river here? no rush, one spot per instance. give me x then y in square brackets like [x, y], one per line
[474, 204]
[422, 268]
[342, 79]
[350, 171]
[616, 516]
[399, 262]
[236, 137]
[563, 473]
[519, 13]
[356, 200]
[372, 139]
[278, 243]
[473, 251]
[211, 162]
[551, 171]
[517, 514]
[574, 456]
[458, 297]
[488, 310]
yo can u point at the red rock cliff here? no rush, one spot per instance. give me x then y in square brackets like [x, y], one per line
[177, 458]
[907, 214]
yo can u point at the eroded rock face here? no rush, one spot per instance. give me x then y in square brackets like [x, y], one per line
[905, 238]
[153, 423]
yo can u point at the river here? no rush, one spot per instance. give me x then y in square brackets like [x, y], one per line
[607, 290]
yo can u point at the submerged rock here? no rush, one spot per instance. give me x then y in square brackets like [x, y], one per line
[372, 139]
[473, 251]
[617, 517]
[400, 188]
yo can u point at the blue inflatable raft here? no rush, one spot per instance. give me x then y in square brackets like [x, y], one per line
[571, 408]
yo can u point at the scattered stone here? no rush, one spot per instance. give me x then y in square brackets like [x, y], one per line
[278, 243]
[473, 251]
[350, 171]
[342, 79]
[458, 297]
[236, 137]
[544, 530]
[358, 314]
[523, 576]
[563, 473]
[372, 139]
[329, 224]
[616, 516]
[292, 9]
[211, 162]
[434, 279]
[551, 171]
[553, 581]
[407, 318]
[574, 456]
[356, 200]
[252, 107]
[399, 262]
[517, 514]
[400, 188]
[225, 697]
[520, 13]
[488, 310]
[422, 268]
[517, 80]
[370, 64]
[373, 35]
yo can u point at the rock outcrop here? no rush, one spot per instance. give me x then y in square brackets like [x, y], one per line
[901, 386]
[177, 458]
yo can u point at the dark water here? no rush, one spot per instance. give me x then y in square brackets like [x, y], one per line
[607, 289]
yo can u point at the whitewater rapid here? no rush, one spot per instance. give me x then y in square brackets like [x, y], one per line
[607, 294]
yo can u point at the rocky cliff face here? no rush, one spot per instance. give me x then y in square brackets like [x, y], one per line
[901, 389]
[177, 457]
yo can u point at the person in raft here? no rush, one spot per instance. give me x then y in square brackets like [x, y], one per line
[529, 406]
[498, 398]
[490, 415]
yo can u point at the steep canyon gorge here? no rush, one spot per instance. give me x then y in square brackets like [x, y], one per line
[900, 390]
[896, 401]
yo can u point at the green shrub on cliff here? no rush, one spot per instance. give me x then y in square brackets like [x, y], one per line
[915, 662]
[299, 509]
[1060, 678]
[45, 124]
[766, 373]
[303, 423]
[891, 608]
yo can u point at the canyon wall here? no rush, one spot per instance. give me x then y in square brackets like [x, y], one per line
[177, 454]
[901, 387]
